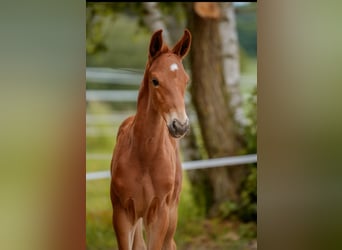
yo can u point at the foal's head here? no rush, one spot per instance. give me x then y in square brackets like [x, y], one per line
[167, 81]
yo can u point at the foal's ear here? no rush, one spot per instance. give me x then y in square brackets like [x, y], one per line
[156, 43]
[183, 45]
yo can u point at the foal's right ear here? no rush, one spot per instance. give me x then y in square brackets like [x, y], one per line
[183, 45]
[156, 43]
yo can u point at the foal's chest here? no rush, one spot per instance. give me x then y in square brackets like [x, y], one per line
[143, 177]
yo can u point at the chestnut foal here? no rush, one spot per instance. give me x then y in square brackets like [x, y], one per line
[146, 168]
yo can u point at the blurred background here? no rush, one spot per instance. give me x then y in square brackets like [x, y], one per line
[43, 131]
[218, 206]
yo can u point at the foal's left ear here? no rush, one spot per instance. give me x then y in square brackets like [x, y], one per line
[156, 43]
[183, 45]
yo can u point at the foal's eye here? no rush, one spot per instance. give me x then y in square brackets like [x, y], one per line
[155, 82]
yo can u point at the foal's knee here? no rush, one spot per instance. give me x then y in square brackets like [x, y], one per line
[152, 210]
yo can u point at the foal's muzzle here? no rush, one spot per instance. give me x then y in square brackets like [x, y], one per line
[178, 129]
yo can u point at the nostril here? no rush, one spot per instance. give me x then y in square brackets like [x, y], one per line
[177, 125]
[174, 124]
[177, 128]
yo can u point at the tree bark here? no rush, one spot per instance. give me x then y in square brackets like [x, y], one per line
[231, 61]
[212, 103]
[153, 19]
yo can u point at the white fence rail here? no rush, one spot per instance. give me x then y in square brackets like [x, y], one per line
[112, 95]
[114, 76]
[201, 164]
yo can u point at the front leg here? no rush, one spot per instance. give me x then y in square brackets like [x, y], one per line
[124, 221]
[169, 242]
[123, 227]
[139, 242]
[156, 223]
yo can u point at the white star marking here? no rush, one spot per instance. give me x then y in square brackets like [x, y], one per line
[173, 67]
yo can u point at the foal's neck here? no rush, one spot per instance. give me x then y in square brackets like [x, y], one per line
[149, 124]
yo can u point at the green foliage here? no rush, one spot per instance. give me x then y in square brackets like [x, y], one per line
[188, 208]
[246, 208]
[126, 44]
[243, 59]
[99, 230]
[228, 209]
[247, 230]
[102, 30]
[246, 27]
[97, 16]
[251, 128]
[248, 205]
[100, 17]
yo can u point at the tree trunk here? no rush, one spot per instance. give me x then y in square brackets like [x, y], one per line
[153, 19]
[230, 57]
[212, 103]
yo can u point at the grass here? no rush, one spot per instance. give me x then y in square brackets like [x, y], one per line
[99, 232]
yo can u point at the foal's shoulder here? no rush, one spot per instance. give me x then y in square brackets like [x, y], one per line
[125, 125]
